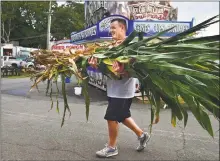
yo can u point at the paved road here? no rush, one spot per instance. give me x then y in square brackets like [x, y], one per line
[21, 87]
[30, 132]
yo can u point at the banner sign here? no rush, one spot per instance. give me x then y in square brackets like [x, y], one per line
[153, 27]
[87, 34]
[96, 78]
[64, 46]
[102, 28]
[145, 10]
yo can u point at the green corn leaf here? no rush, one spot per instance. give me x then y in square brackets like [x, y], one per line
[140, 36]
[191, 90]
[169, 57]
[173, 104]
[189, 47]
[152, 118]
[206, 122]
[199, 114]
[185, 115]
[152, 110]
[199, 58]
[178, 70]
[64, 96]
[104, 54]
[84, 63]
[197, 85]
[162, 84]
[165, 91]
[57, 109]
[194, 81]
[51, 92]
[200, 40]
[173, 118]
[156, 99]
[86, 96]
[66, 106]
[210, 65]
[48, 86]
[211, 109]
[212, 44]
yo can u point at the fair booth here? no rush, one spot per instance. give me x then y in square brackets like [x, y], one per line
[147, 16]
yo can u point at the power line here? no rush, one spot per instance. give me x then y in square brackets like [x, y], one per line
[30, 37]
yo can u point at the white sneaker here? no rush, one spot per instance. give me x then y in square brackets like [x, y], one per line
[143, 141]
[107, 152]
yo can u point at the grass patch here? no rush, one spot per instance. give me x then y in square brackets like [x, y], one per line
[23, 75]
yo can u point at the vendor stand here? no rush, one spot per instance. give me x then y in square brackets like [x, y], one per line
[100, 33]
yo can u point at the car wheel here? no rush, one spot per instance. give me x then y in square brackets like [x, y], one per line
[31, 67]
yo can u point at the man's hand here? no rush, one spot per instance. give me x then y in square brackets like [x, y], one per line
[118, 67]
[93, 62]
[71, 61]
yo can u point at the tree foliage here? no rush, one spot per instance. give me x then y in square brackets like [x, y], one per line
[26, 21]
[66, 19]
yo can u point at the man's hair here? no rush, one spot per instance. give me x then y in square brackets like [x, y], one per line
[122, 21]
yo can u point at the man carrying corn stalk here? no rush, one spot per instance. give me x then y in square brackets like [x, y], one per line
[180, 72]
[120, 93]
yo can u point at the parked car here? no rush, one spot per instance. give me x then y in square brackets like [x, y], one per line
[30, 62]
[14, 62]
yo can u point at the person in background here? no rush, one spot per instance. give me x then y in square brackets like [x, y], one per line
[137, 86]
[120, 94]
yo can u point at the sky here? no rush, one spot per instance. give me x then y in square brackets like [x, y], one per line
[200, 11]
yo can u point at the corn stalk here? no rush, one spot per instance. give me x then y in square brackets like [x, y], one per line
[178, 67]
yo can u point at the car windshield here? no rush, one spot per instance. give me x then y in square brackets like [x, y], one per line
[29, 59]
[12, 58]
[23, 55]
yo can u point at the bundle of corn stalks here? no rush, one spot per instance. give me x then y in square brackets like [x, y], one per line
[175, 67]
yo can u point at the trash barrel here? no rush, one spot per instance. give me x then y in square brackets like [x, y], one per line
[67, 80]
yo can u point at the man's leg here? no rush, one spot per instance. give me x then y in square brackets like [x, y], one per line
[110, 116]
[113, 133]
[129, 122]
[142, 137]
[110, 149]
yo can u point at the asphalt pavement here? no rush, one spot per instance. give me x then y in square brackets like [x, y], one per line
[29, 131]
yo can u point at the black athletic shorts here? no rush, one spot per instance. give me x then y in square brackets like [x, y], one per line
[118, 109]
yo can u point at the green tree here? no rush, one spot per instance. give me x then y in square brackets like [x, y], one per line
[9, 19]
[66, 19]
[26, 22]
[33, 30]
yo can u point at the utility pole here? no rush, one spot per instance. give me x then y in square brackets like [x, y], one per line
[48, 26]
[48, 38]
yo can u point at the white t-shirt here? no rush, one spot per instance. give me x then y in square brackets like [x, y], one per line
[124, 88]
